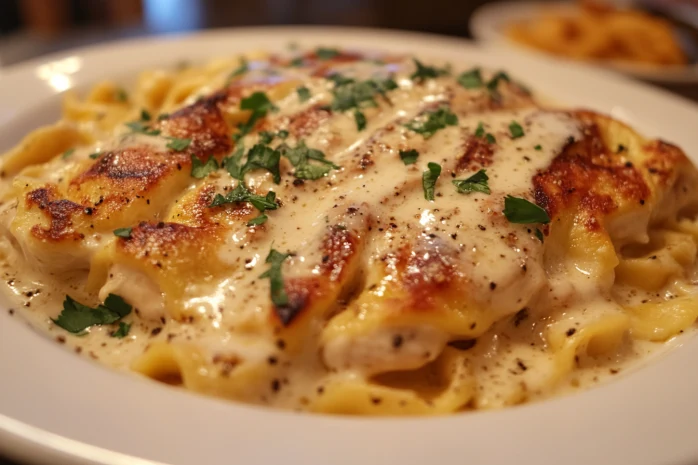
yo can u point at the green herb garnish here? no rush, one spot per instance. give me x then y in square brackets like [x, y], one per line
[480, 133]
[261, 219]
[423, 72]
[303, 94]
[521, 211]
[77, 317]
[409, 157]
[435, 121]
[360, 94]
[145, 115]
[475, 183]
[538, 147]
[262, 156]
[178, 144]
[121, 95]
[259, 104]
[232, 163]
[140, 127]
[200, 170]
[123, 232]
[123, 330]
[515, 130]
[360, 119]
[278, 294]
[301, 156]
[67, 154]
[471, 79]
[429, 178]
[539, 235]
[95, 155]
[326, 53]
[242, 194]
[240, 70]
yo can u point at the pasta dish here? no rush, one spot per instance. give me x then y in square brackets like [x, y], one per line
[353, 233]
[599, 32]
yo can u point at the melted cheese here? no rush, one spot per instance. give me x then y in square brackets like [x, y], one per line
[397, 304]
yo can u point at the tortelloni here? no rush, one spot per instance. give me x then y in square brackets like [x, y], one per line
[350, 233]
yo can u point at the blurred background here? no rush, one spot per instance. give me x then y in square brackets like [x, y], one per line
[30, 28]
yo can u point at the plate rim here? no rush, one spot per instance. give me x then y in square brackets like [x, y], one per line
[23, 433]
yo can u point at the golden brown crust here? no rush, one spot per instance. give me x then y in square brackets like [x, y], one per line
[477, 154]
[60, 213]
[589, 175]
[204, 124]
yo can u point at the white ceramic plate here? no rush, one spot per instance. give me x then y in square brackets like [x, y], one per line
[58, 408]
[487, 24]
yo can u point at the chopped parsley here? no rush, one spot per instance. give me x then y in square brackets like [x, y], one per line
[521, 211]
[163, 116]
[296, 62]
[480, 133]
[200, 170]
[178, 144]
[360, 119]
[409, 157]
[340, 79]
[145, 115]
[120, 95]
[515, 130]
[429, 178]
[303, 94]
[95, 155]
[434, 121]
[361, 94]
[261, 219]
[326, 53]
[232, 163]
[423, 72]
[259, 104]
[240, 70]
[475, 183]
[539, 234]
[141, 128]
[242, 194]
[262, 156]
[278, 294]
[266, 137]
[493, 84]
[301, 156]
[123, 232]
[471, 79]
[122, 331]
[67, 154]
[77, 317]
[538, 147]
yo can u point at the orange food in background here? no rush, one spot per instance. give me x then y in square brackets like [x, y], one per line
[600, 32]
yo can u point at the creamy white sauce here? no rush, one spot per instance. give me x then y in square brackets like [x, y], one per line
[391, 194]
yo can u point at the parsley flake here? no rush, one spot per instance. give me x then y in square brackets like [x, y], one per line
[95, 155]
[123, 232]
[262, 156]
[538, 147]
[515, 130]
[434, 121]
[409, 157]
[539, 235]
[240, 70]
[423, 72]
[279, 297]
[200, 170]
[471, 79]
[360, 94]
[303, 94]
[140, 127]
[120, 95]
[178, 144]
[77, 317]
[122, 331]
[242, 194]
[326, 53]
[259, 104]
[67, 154]
[429, 178]
[296, 62]
[145, 115]
[301, 156]
[475, 183]
[480, 133]
[521, 211]
[232, 163]
[360, 119]
[261, 219]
